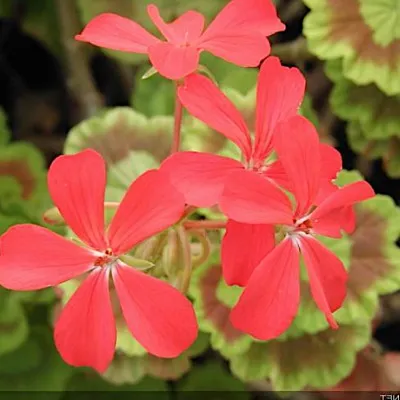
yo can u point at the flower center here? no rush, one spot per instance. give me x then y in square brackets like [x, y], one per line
[106, 259]
[303, 225]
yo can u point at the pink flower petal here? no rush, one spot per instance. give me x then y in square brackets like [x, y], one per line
[271, 298]
[327, 276]
[331, 161]
[200, 177]
[150, 205]
[244, 49]
[252, 199]
[189, 26]
[280, 91]
[112, 31]
[244, 16]
[297, 144]
[345, 196]
[77, 185]
[207, 103]
[85, 333]
[277, 173]
[32, 257]
[166, 29]
[159, 317]
[243, 247]
[174, 62]
[333, 223]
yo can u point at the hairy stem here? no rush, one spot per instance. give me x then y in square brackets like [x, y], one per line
[186, 259]
[205, 246]
[176, 140]
[204, 224]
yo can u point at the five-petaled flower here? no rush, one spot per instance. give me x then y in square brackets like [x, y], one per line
[159, 317]
[201, 176]
[238, 34]
[271, 298]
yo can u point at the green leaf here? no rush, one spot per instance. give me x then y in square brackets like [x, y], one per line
[126, 344]
[212, 313]
[122, 173]
[212, 378]
[125, 370]
[153, 96]
[35, 366]
[26, 165]
[13, 324]
[118, 131]
[318, 361]
[168, 368]
[375, 258]
[383, 17]
[91, 382]
[371, 149]
[228, 295]
[253, 365]
[374, 111]
[335, 29]
[200, 345]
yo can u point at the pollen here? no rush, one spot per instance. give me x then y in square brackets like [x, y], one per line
[105, 259]
[304, 226]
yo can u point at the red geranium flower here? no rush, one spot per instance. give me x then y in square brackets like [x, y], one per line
[201, 176]
[159, 317]
[271, 298]
[237, 34]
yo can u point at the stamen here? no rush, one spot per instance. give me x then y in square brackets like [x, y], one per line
[105, 259]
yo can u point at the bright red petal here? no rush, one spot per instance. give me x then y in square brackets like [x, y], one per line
[243, 248]
[326, 188]
[200, 177]
[246, 15]
[331, 164]
[332, 224]
[112, 31]
[85, 333]
[277, 173]
[331, 161]
[150, 205]
[280, 91]
[159, 317]
[349, 219]
[246, 49]
[345, 196]
[166, 29]
[206, 102]
[252, 199]
[270, 301]
[297, 144]
[34, 258]
[77, 185]
[189, 26]
[172, 61]
[327, 276]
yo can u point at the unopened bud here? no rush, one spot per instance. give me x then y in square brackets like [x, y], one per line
[53, 217]
[136, 262]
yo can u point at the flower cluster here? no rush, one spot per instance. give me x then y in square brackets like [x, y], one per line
[279, 197]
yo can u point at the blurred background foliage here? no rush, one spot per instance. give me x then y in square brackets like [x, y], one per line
[60, 96]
